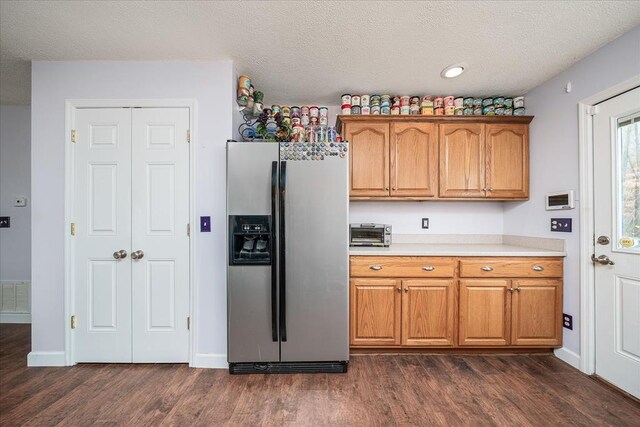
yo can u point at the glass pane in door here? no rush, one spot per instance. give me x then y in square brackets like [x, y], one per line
[628, 184]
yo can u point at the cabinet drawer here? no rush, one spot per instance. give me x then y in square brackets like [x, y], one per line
[511, 267]
[402, 266]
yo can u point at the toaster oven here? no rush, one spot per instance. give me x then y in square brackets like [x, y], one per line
[369, 235]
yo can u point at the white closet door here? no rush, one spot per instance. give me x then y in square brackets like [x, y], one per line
[102, 214]
[160, 216]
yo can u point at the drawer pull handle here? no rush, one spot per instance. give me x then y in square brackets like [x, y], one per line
[428, 268]
[486, 268]
[376, 267]
[537, 268]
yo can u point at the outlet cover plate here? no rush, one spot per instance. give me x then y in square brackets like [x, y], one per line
[562, 225]
[205, 224]
[567, 321]
[5, 222]
[425, 222]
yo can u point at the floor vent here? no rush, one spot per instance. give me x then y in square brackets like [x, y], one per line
[289, 368]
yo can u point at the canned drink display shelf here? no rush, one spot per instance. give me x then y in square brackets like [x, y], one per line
[344, 118]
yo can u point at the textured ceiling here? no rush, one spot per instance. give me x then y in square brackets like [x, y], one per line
[313, 51]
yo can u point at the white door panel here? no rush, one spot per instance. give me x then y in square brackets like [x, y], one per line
[160, 191]
[101, 212]
[616, 132]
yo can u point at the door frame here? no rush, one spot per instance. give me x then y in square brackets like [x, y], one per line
[71, 106]
[586, 109]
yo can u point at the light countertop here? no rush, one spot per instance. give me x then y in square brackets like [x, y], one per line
[466, 246]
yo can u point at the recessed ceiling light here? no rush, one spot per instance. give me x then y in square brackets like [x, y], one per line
[453, 71]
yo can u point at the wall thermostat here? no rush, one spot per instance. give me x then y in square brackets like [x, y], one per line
[560, 200]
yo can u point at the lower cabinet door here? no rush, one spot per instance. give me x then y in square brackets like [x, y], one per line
[375, 312]
[484, 312]
[428, 312]
[536, 312]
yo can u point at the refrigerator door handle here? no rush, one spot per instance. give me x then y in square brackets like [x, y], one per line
[274, 258]
[283, 269]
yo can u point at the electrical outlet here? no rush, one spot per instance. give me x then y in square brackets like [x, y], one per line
[567, 321]
[425, 222]
[5, 222]
[205, 224]
[561, 225]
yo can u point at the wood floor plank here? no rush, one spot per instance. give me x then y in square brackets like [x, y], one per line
[378, 390]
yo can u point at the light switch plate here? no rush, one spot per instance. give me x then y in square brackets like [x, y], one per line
[5, 222]
[205, 224]
[20, 202]
[425, 222]
[562, 225]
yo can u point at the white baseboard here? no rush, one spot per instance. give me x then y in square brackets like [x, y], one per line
[46, 358]
[15, 318]
[210, 360]
[568, 356]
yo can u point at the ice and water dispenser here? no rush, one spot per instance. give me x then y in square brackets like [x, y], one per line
[250, 240]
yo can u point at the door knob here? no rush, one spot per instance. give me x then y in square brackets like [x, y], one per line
[137, 254]
[602, 259]
[120, 254]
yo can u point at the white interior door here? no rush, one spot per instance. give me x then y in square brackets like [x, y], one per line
[102, 217]
[160, 217]
[616, 132]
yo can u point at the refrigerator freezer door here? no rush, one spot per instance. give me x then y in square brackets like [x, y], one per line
[249, 288]
[317, 260]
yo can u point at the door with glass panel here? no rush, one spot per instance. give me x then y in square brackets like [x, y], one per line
[616, 257]
[130, 243]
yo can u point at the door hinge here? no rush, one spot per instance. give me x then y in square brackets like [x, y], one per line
[189, 230]
[73, 135]
[188, 323]
[73, 228]
[188, 135]
[592, 110]
[73, 322]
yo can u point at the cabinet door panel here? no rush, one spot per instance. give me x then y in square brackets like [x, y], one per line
[507, 160]
[462, 160]
[536, 312]
[414, 159]
[484, 312]
[375, 312]
[369, 158]
[428, 312]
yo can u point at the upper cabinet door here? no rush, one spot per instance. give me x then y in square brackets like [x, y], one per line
[369, 158]
[507, 160]
[462, 160]
[414, 159]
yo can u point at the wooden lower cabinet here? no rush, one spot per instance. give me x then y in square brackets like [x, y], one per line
[428, 312]
[484, 312]
[536, 312]
[375, 312]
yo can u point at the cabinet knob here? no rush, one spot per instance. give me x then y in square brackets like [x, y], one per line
[428, 268]
[406, 290]
[376, 267]
[386, 188]
[399, 289]
[511, 289]
[486, 268]
[537, 268]
[395, 188]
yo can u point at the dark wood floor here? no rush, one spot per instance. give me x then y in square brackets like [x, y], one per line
[378, 390]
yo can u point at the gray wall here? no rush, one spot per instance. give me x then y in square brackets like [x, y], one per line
[15, 180]
[212, 85]
[554, 153]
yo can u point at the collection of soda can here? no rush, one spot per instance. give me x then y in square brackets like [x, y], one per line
[432, 105]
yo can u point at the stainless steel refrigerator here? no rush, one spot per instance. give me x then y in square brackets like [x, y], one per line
[288, 260]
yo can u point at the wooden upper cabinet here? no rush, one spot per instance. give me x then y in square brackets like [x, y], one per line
[462, 160]
[428, 312]
[369, 158]
[484, 312]
[375, 312]
[507, 167]
[414, 159]
[536, 312]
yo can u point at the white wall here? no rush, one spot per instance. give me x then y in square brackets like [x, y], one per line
[554, 153]
[212, 85]
[15, 180]
[444, 217]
